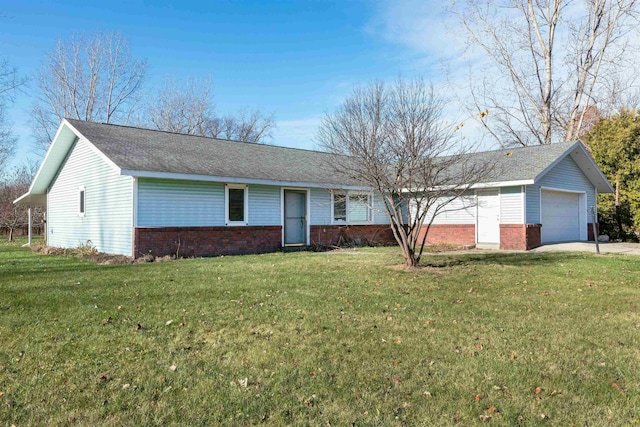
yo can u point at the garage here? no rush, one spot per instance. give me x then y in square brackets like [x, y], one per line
[561, 216]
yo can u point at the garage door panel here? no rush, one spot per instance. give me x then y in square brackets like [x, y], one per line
[560, 216]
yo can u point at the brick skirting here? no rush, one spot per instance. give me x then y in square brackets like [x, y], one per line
[328, 235]
[520, 237]
[206, 241]
[454, 234]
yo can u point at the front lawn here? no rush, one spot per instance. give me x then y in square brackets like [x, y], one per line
[336, 338]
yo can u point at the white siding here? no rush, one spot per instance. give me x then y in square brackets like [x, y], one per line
[174, 203]
[380, 215]
[567, 175]
[511, 209]
[108, 218]
[264, 205]
[320, 206]
[533, 204]
[461, 210]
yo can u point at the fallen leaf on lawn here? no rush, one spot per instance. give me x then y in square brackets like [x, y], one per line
[168, 322]
[491, 409]
[477, 398]
[617, 387]
[396, 380]
[138, 326]
[456, 417]
[485, 418]
[1, 393]
[119, 307]
[173, 368]
[513, 356]
[538, 390]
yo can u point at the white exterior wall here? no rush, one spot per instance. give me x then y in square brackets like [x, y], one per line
[459, 211]
[108, 218]
[511, 205]
[566, 175]
[174, 203]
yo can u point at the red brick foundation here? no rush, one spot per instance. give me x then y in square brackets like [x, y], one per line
[453, 234]
[206, 241]
[328, 235]
[520, 237]
[590, 231]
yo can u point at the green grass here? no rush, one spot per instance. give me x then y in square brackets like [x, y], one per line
[335, 338]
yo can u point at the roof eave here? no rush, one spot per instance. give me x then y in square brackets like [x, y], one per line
[240, 180]
[586, 163]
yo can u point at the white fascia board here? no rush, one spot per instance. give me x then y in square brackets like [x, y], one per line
[47, 156]
[235, 180]
[57, 152]
[604, 184]
[479, 185]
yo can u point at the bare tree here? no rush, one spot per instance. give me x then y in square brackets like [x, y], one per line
[88, 78]
[393, 139]
[550, 57]
[189, 108]
[182, 108]
[246, 125]
[10, 82]
[12, 186]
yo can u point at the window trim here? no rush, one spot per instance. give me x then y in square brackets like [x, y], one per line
[82, 201]
[348, 194]
[228, 222]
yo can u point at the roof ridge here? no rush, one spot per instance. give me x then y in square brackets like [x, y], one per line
[235, 141]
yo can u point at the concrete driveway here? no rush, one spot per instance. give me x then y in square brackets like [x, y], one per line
[609, 247]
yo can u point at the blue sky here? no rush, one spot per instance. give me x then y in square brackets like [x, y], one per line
[295, 59]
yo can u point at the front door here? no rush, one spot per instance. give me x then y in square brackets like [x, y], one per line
[295, 218]
[489, 216]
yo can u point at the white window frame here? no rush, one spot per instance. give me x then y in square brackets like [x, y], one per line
[348, 194]
[82, 201]
[244, 187]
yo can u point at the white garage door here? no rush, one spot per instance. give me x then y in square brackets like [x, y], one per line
[560, 216]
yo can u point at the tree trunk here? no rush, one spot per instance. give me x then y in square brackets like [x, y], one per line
[10, 234]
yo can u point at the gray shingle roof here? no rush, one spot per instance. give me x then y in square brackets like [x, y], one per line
[156, 151]
[146, 150]
[518, 164]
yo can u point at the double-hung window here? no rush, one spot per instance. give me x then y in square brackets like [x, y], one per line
[351, 207]
[236, 204]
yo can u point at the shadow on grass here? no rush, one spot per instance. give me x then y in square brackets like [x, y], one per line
[510, 259]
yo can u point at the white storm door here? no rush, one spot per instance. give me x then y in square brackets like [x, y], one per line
[489, 216]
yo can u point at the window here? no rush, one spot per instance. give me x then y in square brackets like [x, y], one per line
[352, 207]
[236, 203]
[81, 201]
[339, 207]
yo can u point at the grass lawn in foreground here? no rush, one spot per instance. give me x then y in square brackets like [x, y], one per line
[335, 338]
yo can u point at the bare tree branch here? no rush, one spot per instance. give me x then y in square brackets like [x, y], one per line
[88, 78]
[550, 56]
[393, 139]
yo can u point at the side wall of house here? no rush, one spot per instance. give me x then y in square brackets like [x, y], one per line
[108, 219]
[189, 217]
